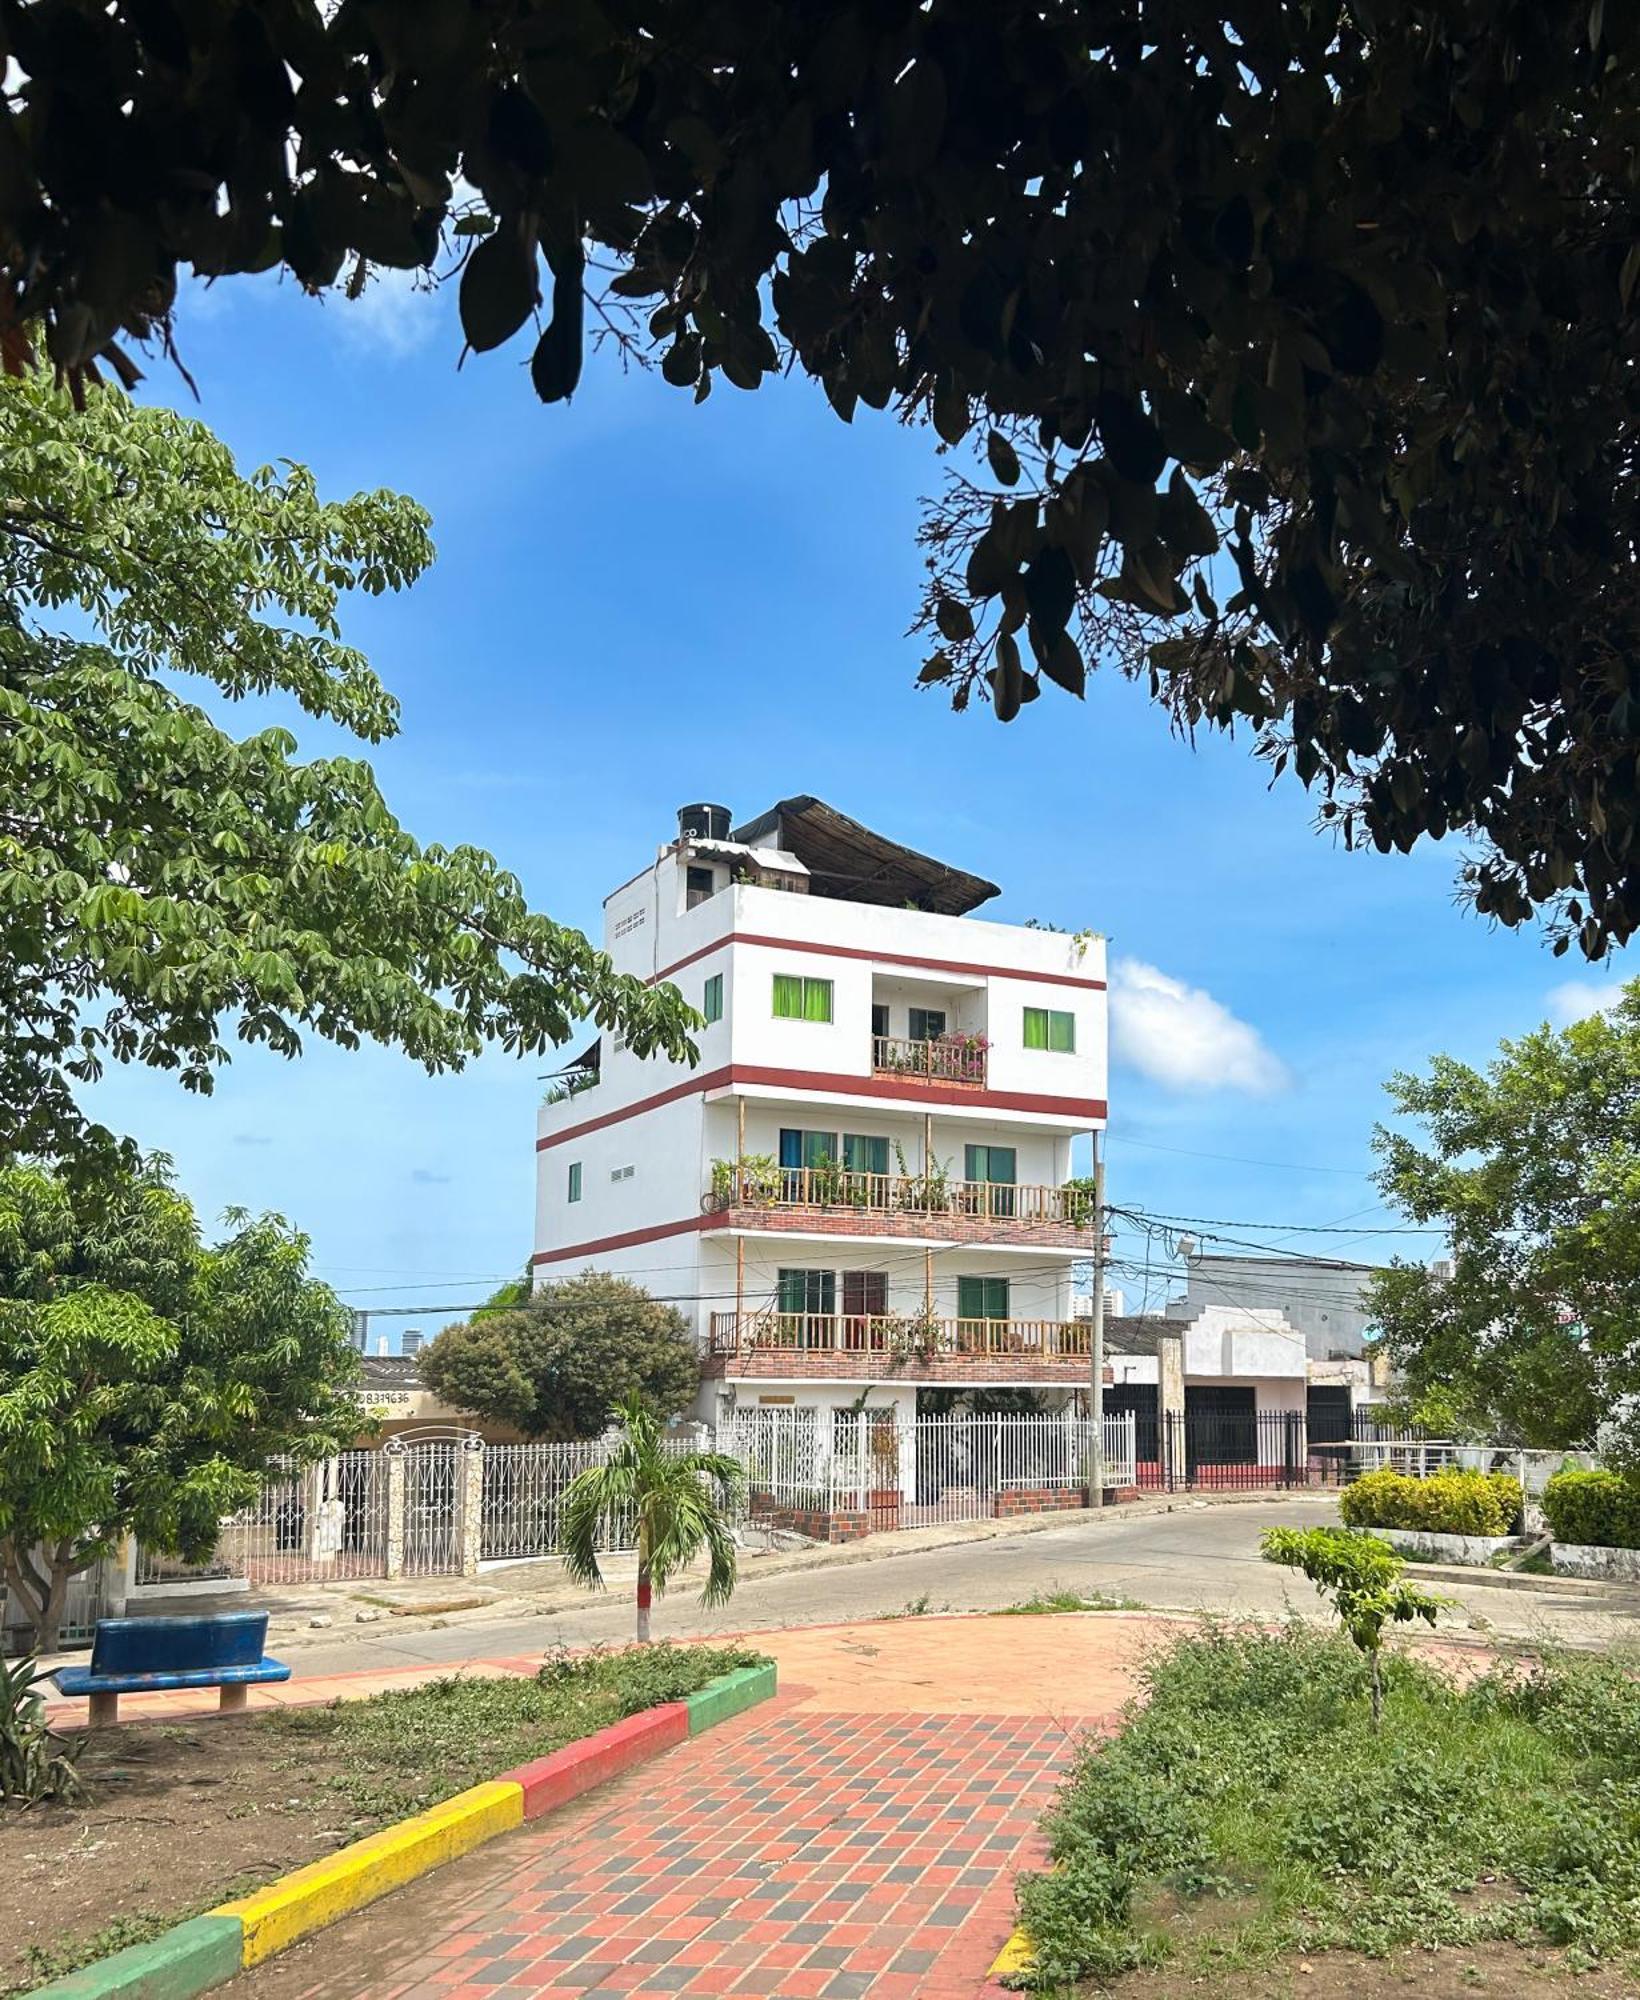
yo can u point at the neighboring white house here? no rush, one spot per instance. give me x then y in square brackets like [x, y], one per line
[862, 1183]
[1324, 1297]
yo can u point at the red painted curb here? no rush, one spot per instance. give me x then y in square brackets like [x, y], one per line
[567, 1773]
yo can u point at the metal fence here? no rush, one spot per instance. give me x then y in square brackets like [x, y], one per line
[523, 1496]
[905, 1473]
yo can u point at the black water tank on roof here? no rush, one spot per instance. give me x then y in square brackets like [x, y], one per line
[703, 822]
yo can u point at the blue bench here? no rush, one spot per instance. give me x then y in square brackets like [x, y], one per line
[133, 1655]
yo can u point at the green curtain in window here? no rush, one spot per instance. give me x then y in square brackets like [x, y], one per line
[1036, 1027]
[990, 1163]
[788, 996]
[1062, 1033]
[816, 999]
[803, 1291]
[982, 1298]
[863, 1154]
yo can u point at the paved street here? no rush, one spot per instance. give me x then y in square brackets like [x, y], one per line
[1197, 1558]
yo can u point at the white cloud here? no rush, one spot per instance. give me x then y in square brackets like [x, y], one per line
[1577, 999]
[1181, 1037]
[394, 315]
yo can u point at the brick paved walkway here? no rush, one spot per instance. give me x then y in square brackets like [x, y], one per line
[858, 1836]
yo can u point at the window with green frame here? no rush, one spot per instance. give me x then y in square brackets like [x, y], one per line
[803, 1291]
[982, 1298]
[1047, 1028]
[574, 1180]
[995, 1167]
[797, 998]
[711, 999]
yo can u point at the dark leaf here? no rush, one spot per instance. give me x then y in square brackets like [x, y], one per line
[498, 289]
[1050, 589]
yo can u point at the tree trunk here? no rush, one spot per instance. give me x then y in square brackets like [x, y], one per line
[1377, 1690]
[42, 1593]
[645, 1586]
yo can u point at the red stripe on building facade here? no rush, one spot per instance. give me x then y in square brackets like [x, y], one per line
[881, 958]
[903, 1089]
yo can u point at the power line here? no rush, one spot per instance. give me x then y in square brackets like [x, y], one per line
[1291, 1228]
[1242, 1159]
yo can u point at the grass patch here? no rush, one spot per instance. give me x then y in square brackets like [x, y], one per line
[399, 1753]
[1046, 1603]
[1247, 1811]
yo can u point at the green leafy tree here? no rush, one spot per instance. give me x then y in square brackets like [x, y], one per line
[1532, 1167]
[680, 1502]
[158, 875]
[1291, 346]
[147, 1379]
[553, 1367]
[1362, 1578]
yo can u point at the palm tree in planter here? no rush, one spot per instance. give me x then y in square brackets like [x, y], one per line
[684, 1501]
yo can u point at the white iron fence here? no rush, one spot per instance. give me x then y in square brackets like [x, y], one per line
[444, 1505]
[912, 1473]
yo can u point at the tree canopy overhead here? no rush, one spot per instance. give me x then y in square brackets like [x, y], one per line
[1292, 338]
[159, 876]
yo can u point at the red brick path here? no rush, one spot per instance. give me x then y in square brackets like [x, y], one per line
[792, 1854]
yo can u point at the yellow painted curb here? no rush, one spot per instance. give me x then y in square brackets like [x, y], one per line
[1014, 1957]
[354, 1876]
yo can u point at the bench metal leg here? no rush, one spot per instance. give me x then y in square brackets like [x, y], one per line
[105, 1709]
[234, 1697]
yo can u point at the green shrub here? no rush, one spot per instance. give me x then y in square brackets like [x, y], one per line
[1241, 1815]
[35, 1762]
[1597, 1508]
[1447, 1503]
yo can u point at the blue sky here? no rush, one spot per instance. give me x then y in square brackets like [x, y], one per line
[639, 602]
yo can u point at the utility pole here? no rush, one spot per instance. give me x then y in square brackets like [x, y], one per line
[1096, 1343]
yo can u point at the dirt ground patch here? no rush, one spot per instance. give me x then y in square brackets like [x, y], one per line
[1504, 1971]
[181, 1816]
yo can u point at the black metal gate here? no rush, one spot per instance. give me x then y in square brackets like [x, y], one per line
[1230, 1446]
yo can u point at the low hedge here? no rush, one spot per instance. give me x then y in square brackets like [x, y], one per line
[1598, 1509]
[1446, 1503]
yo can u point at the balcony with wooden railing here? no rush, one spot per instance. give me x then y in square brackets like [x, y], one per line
[841, 1201]
[915, 1347]
[958, 1059]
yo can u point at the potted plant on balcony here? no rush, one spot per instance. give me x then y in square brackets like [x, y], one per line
[913, 1337]
[1077, 1197]
[752, 1181]
[961, 1057]
[927, 1193]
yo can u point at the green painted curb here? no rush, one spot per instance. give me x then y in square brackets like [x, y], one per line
[176, 1965]
[729, 1695]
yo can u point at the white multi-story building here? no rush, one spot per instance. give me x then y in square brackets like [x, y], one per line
[863, 1189]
